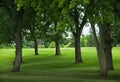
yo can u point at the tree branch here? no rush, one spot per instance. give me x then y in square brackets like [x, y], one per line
[82, 24]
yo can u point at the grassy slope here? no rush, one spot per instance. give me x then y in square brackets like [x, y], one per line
[49, 68]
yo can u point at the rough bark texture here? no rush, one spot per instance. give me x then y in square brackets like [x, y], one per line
[108, 53]
[18, 41]
[103, 63]
[108, 47]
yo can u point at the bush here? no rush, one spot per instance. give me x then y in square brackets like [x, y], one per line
[52, 45]
[28, 44]
[42, 46]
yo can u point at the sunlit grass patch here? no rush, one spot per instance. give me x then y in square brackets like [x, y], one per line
[47, 67]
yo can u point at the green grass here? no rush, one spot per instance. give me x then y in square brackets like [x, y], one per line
[50, 68]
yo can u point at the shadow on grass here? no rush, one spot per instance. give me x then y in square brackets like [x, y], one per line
[57, 69]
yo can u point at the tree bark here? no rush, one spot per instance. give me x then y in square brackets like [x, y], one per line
[78, 57]
[96, 41]
[18, 41]
[108, 47]
[78, 27]
[100, 51]
[103, 62]
[57, 43]
[108, 53]
[36, 47]
[35, 41]
[57, 47]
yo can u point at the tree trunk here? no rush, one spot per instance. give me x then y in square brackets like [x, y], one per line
[96, 41]
[78, 27]
[100, 51]
[108, 53]
[32, 30]
[57, 47]
[103, 63]
[18, 54]
[57, 43]
[36, 47]
[108, 47]
[78, 57]
[18, 41]
[21, 51]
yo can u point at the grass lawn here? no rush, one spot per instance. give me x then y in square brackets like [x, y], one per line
[50, 68]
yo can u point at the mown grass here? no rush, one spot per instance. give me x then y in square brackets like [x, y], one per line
[50, 68]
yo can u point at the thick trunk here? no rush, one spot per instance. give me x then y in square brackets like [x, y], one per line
[108, 53]
[79, 27]
[103, 63]
[57, 47]
[18, 41]
[100, 52]
[18, 54]
[108, 47]
[78, 57]
[36, 46]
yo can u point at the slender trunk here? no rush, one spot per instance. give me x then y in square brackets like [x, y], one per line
[78, 57]
[103, 63]
[21, 51]
[18, 41]
[96, 41]
[36, 46]
[57, 47]
[108, 47]
[57, 43]
[32, 30]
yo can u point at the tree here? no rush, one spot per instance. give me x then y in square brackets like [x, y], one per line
[73, 10]
[18, 40]
[103, 18]
[116, 24]
[31, 28]
[87, 40]
[49, 11]
[16, 19]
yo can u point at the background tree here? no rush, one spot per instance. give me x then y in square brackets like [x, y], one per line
[31, 28]
[115, 34]
[74, 10]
